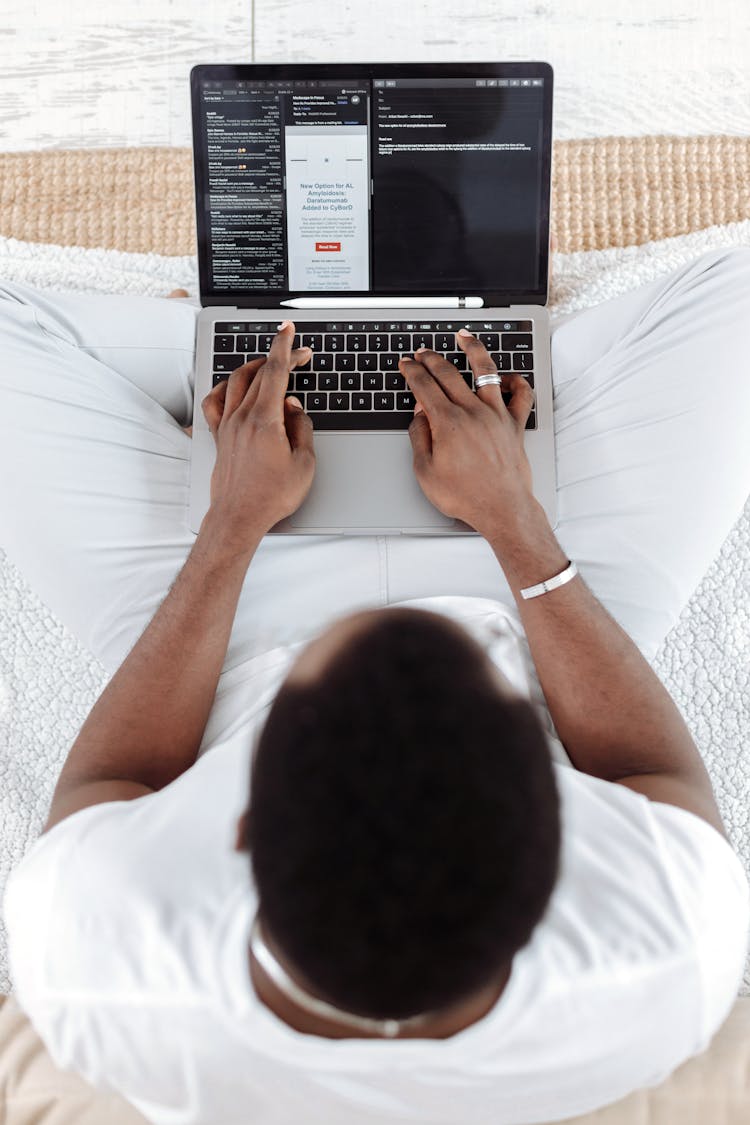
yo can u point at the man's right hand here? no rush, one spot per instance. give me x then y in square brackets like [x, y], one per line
[469, 456]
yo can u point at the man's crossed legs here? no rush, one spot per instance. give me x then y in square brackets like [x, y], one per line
[652, 393]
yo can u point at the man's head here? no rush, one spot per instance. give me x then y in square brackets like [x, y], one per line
[403, 824]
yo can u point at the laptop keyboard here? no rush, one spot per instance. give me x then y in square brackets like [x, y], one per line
[353, 380]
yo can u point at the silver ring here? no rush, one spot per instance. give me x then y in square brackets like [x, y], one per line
[486, 380]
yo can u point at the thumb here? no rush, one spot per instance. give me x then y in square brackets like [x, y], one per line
[299, 425]
[420, 436]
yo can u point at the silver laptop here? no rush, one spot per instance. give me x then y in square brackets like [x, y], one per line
[381, 207]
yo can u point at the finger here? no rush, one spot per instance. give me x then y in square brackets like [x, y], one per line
[481, 363]
[213, 406]
[272, 386]
[424, 387]
[298, 358]
[447, 376]
[238, 383]
[421, 440]
[221, 401]
[522, 402]
[298, 424]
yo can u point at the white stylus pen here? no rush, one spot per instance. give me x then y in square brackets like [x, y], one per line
[384, 303]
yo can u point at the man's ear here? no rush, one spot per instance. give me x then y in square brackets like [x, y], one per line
[239, 843]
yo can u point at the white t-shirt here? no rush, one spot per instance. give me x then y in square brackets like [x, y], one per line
[129, 926]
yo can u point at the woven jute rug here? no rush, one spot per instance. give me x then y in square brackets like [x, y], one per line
[611, 191]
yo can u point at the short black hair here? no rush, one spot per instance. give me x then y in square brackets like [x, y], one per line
[403, 827]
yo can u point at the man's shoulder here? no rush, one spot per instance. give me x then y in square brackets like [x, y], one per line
[645, 880]
[148, 873]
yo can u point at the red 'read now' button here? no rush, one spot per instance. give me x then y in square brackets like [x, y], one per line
[328, 246]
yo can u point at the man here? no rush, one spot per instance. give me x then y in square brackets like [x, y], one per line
[421, 912]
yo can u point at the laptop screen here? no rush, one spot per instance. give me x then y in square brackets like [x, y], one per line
[367, 180]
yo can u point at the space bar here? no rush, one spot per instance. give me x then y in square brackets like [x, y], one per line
[364, 420]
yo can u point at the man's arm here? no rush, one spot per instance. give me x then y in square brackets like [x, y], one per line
[147, 726]
[614, 717]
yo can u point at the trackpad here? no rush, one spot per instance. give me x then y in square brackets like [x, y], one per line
[365, 480]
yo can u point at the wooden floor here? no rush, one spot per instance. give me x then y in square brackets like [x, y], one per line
[114, 72]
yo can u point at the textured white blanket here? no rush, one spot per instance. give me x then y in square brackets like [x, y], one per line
[48, 682]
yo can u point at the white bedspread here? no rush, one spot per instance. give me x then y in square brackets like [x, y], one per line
[48, 682]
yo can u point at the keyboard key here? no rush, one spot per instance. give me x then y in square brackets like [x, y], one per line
[350, 382]
[405, 400]
[515, 325]
[312, 340]
[400, 343]
[517, 342]
[306, 366]
[491, 340]
[361, 419]
[388, 361]
[228, 362]
[445, 341]
[346, 362]
[247, 343]
[317, 401]
[422, 340]
[231, 327]
[224, 344]
[378, 342]
[459, 360]
[339, 401]
[328, 382]
[468, 378]
[356, 342]
[501, 360]
[333, 343]
[367, 361]
[372, 381]
[220, 379]
[299, 395]
[362, 401]
[385, 401]
[523, 361]
[394, 381]
[323, 361]
[265, 340]
[305, 382]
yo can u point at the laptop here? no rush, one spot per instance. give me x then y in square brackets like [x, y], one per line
[381, 207]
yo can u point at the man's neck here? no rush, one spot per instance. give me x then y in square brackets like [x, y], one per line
[440, 1026]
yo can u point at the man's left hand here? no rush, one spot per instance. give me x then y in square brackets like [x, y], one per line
[265, 461]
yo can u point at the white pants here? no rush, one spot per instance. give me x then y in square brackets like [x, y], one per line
[651, 400]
